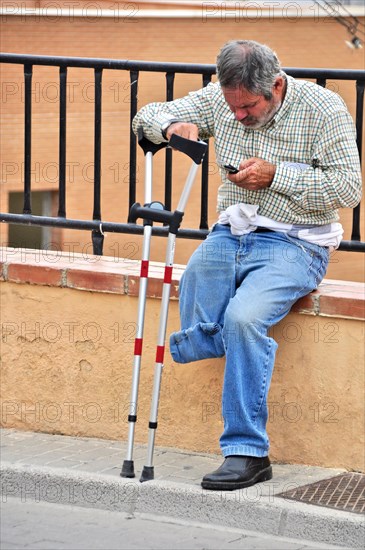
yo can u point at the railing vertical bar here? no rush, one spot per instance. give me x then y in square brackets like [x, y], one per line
[97, 146]
[28, 74]
[321, 82]
[170, 77]
[355, 234]
[62, 145]
[134, 75]
[205, 176]
[96, 235]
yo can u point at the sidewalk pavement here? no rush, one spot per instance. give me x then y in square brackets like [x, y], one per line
[86, 472]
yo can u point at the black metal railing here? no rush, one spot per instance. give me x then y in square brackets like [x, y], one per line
[97, 225]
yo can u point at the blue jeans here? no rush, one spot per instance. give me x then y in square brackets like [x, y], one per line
[233, 290]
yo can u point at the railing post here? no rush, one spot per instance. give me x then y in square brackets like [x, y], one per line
[97, 236]
[170, 77]
[204, 176]
[62, 145]
[132, 139]
[355, 234]
[28, 73]
[321, 82]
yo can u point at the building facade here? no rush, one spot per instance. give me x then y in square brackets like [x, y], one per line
[182, 31]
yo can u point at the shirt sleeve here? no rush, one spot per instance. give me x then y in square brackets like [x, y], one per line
[334, 178]
[195, 108]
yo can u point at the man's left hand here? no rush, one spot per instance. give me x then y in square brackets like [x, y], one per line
[254, 174]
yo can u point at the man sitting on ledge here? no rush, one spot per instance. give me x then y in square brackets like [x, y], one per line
[287, 153]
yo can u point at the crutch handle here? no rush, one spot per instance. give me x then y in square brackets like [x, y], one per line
[194, 149]
[149, 213]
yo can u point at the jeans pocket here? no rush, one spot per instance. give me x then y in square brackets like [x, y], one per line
[323, 261]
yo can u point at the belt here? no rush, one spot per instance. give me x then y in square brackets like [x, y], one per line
[257, 230]
[263, 230]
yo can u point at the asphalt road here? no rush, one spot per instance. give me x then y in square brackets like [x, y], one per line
[49, 526]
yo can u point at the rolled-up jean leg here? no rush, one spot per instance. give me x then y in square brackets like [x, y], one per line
[202, 341]
[205, 290]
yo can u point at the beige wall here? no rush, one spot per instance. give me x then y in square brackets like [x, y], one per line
[300, 42]
[67, 363]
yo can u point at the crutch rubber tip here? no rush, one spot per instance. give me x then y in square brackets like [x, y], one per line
[127, 469]
[148, 473]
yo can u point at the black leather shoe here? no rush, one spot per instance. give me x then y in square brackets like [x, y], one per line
[238, 472]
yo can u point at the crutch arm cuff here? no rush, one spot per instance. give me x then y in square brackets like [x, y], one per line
[194, 149]
[147, 145]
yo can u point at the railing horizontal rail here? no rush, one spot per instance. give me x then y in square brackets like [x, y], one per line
[116, 64]
[94, 225]
[128, 228]
[156, 66]
[135, 67]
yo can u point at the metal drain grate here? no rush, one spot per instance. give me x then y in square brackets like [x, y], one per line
[343, 492]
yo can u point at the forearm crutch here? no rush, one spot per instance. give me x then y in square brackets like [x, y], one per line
[151, 212]
[149, 150]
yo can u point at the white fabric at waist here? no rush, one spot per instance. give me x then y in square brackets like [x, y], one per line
[243, 219]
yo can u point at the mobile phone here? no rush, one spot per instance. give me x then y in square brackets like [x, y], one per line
[231, 169]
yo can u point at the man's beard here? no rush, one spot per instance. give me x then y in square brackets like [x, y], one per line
[255, 123]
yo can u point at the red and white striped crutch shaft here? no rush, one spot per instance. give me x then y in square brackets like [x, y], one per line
[148, 470]
[128, 465]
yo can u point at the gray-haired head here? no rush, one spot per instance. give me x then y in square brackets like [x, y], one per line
[248, 64]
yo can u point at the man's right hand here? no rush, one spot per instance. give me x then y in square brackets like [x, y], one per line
[183, 129]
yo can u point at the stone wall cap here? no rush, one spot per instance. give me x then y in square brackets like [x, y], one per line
[80, 271]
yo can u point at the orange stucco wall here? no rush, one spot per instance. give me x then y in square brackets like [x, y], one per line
[67, 360]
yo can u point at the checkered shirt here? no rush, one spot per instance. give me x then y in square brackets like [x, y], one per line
[313, 127]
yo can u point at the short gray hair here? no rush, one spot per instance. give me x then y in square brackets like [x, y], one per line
[248, 64]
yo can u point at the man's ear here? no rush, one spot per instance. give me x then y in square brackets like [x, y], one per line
[279, 85]
[279, 82]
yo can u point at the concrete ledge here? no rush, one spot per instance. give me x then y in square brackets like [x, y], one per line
[121, 276]
[269, 514]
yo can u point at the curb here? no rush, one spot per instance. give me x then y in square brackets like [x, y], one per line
[246, 509]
